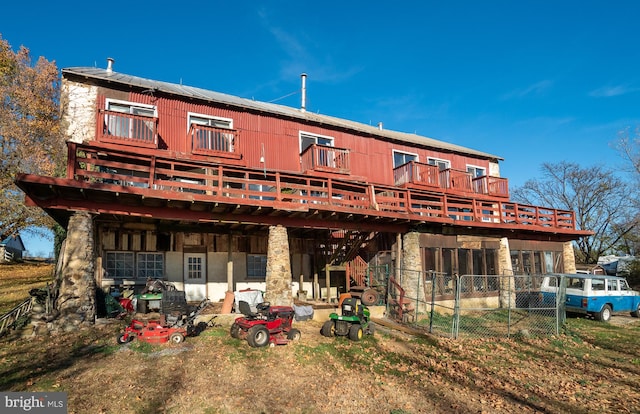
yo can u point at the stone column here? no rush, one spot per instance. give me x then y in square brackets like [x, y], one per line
[278, 280]
[76, 301]
[505, 272]
[568, 257]
[412, 281]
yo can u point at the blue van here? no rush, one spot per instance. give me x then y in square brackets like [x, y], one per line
[595, 295]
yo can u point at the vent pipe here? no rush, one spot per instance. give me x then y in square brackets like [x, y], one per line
[303, 104]
[380, 126]
[110, 65]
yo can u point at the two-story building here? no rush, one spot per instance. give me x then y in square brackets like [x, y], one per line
[218, 193]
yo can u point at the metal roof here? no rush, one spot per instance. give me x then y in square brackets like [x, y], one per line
[275, 109]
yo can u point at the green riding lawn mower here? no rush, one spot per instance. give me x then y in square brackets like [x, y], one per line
[354, 322]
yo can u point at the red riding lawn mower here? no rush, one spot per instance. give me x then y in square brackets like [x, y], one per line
[269, 325]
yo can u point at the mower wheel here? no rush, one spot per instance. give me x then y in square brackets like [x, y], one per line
[258, 336]
[124, 339]
[176, 338]
[328, 329]
[355, 332]
[294, 334]
[235, 330]
[371, 328]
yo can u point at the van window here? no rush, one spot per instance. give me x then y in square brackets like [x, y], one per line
[575, 283]
[597, 284]
[612, 285]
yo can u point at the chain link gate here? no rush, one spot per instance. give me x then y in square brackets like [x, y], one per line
[475, 305]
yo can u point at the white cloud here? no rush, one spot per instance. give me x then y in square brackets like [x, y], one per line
[609, 91]
[535, 89]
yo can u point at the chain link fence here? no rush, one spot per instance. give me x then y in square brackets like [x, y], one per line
[476, 305]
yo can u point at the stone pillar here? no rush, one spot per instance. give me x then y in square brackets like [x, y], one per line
[505, 271]
[568, 257]
[412, 281]
[278, 280]
[76, 301]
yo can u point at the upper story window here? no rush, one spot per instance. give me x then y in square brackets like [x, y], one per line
[442, 164]
[308, 139]
[476, 171]
[400, 158]
[211, 133]
[137, 121]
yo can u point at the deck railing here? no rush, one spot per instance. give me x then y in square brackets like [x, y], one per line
[416, 173]
[127, 129]
[449, 180]
[8, 320]
[207, 140]
[228, 184]
[324, 158]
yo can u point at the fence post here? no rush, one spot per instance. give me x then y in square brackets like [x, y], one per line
[509, 307]
[433, 299]
[455, 325]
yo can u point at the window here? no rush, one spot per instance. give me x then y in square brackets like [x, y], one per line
[195, 268]
[323, 155]
[138, 123]
[400, 158]
[209, 133]
[119, 265]
[130, 265]
[150, 265]
[256, 266]
[307, 139]
[442, 164]
[476, 171]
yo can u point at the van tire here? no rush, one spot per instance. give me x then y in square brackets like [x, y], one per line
[604, 315]
[636, 313]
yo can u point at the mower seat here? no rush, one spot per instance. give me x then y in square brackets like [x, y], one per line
[349, 306]
[245, 309]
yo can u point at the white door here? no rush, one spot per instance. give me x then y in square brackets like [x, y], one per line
[195, 276]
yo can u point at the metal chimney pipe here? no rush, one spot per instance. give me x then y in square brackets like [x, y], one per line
[110, 65]
[380, 126]
[303, 105]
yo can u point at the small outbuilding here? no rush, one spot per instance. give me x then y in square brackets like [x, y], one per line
[11, 249]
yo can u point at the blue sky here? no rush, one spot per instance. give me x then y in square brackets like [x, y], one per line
[530, 81]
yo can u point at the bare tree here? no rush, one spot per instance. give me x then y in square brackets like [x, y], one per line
[598, 197]
[31, 140]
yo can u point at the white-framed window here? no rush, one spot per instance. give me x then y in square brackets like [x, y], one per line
[150, 265]
[195, 267]
[400, 158]
[212, 136]
[307, 139]
[134, 124]
[442, 164]
[131, 265]
[476, 171]
[256, 266]
[208, 120]
[120, 265]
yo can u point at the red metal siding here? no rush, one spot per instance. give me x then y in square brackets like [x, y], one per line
[277, 140]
